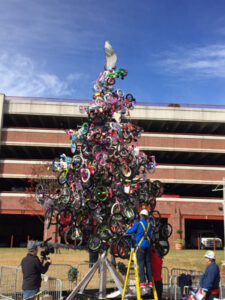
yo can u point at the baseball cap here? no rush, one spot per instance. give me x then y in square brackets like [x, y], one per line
[31, 246]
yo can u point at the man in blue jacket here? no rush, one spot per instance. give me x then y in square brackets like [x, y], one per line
[143, 230]
[210, 279]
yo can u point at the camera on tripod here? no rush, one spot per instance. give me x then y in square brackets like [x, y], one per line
[48, 248]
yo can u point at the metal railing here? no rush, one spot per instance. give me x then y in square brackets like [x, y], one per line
[175, 290]
[11, 281]
[165, 281]
[60, 271]
[139, 103]
[11, 284]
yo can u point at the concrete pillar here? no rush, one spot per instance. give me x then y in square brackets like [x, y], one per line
[51, 232]
[176, 221]
[2, 98]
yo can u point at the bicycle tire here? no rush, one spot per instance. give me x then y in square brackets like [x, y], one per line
[150, 168]
[110, 81]
[129, 97]
[85, 176]
[157, 188]
[164, 247]
[155, 216]
[115, 209]
[65, 196]
[113, 248]
[65, 218]
[101, 192]
[73, 236]
[73, 146]
[94, 243]
[125, 171]
[102, 231]
[124, 246]
[48, 217]
[128, 212]
[76, 201]
[108, 142]
[152, 202]
[77, 161]
[62, 178]
[166, 230]
[55, 164]
[40, 194]
[92, 204]
[84, 128]
[117, 224]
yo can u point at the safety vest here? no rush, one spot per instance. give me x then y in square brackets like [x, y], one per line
[145, 236]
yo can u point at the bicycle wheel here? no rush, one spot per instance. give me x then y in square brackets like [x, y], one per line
[126, 171]
[55, 164]
[108, 142]
[113, 248]
[163, 246]
[152, 202]
[40, 194]
[76, 201]
[110, 81]
[73, 144]
[84, 149]
[94, 243]
[150, 166]
[73, 236]
[50, 217]
[128, 211]
[156, 188]
[84, 128]
[124, 152]
[102, 231]
[101, 192]
[117, 224]
[62, 178]
[155, 217]
[166, 230]
[65, 218]
[85, 175]
[92, 204]
[65, 195]
[116, 208]
[77, 160]
[124, 246]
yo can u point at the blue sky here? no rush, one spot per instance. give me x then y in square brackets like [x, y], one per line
[174, 50]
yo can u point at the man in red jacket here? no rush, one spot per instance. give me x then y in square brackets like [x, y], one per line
[157, 262]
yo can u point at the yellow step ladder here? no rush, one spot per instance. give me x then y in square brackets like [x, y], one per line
[133, 258]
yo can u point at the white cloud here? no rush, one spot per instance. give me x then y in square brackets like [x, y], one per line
[20, 76]
[201, 61]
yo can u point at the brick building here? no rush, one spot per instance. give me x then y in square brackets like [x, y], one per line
[188, 142]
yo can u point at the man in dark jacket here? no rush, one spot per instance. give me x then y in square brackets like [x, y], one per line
[210, 279]
[32, 269]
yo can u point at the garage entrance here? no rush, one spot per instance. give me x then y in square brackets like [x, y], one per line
[198, 224]
[20, 226]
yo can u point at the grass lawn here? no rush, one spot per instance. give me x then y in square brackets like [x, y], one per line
[185, 259]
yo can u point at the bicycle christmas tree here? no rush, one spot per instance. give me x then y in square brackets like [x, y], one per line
[104, 183]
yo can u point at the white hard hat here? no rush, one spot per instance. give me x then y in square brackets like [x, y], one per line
[210, 254]
[144, 212]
